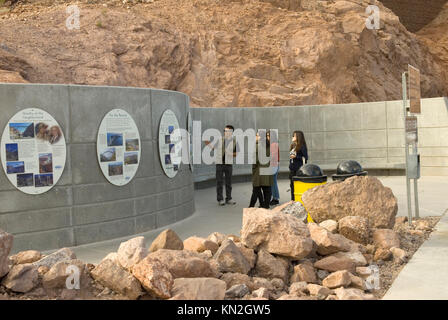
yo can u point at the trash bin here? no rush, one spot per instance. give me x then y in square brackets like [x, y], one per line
[347, 169]
[309, 176]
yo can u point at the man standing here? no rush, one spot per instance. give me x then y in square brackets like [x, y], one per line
[227, 150]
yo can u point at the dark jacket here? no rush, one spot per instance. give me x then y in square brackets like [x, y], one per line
[297, 162]
[261, 180]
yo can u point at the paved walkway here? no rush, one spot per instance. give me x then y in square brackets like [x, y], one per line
[210, 217]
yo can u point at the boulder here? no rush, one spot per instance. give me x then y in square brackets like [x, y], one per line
[217, 238]
[63, 254]
[268, 266]
[278, 284]
[28, 256]
[277, 233]
[198, 244]
[185, 264]
[298, 288]
[258, 283]
[317, 290]
[356, 196]
[337, 279]
[385, 238]
[329, 225]
[248, 253]
[382, 254]
[335, 263]
[154, 277]
[399, 255]
[296, 209]
[261, 293]
[327, 242]
[231, 259]
[232, 279]
[237, 291]
[304, 272]
[363, 272]
[199, 288]
[112, 256]
[358, 282]
[167, 239]
[59, 273]
[355, 256]
[6, 241]
[355, 228]
[352, 294]
[322, 274]
[111, 275]
[22, 278]
[131, 252]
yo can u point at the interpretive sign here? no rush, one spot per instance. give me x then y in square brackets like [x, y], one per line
[118, 147]
[169, 143]
[411, 130]
[414, 89]
[33, 151]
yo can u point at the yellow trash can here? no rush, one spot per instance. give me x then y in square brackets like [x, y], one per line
[310, 176]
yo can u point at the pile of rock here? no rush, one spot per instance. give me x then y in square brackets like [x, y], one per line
[277, 256]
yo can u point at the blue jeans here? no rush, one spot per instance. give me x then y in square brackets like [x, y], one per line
[275, 193]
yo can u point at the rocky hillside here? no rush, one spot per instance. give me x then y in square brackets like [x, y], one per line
[223, 53]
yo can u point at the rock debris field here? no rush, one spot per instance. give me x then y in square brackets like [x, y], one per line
[353, 251]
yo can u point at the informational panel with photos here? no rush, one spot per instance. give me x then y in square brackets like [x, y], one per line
[33, 151]
[118, 147]
[169, 143]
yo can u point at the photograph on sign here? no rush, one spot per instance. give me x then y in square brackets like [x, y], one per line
[411, 130]
[33, 151]
[118, 147]
[414, 89]
[169, 143]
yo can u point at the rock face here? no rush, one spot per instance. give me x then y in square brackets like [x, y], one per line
[22, 278]
[231, 259]
[131, 252]
[356, 196]
[215, 60]
[63, 254]
[199, 288]
[184, 264]
[6, 241]
[154, 277]
[268, 266]
[277, 233]
[167, 239]
[112, 276]
[355, 228]
[386, 238]
[28, 256]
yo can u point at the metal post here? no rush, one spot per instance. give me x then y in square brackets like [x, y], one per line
[408, 182]
[417, 213]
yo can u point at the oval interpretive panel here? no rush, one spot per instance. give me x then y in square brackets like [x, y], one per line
[33, 151]
[118, 147]
[169, 143]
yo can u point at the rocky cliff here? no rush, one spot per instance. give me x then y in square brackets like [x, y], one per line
[224, 53]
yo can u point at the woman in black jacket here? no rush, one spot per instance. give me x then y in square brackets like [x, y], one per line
[297, 151]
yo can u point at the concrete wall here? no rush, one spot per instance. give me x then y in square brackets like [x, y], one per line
[84, 207]
[371, 133]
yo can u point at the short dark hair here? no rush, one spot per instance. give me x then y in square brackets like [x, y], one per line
[230, 127]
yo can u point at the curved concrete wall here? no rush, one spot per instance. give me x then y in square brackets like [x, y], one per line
[371, 133]
[83, 206]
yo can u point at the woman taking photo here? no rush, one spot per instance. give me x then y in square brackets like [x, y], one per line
[297, 151]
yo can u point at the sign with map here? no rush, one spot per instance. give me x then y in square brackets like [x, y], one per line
[33, 151]
[169, 144]
[118, 147]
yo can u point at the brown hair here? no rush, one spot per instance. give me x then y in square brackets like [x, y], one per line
[300, 141]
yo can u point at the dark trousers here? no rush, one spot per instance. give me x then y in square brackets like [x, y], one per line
[221, 171]
[263, 194]
[291, 183]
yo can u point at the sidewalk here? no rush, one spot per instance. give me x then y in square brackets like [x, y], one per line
[209, 217]
[425, 276]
